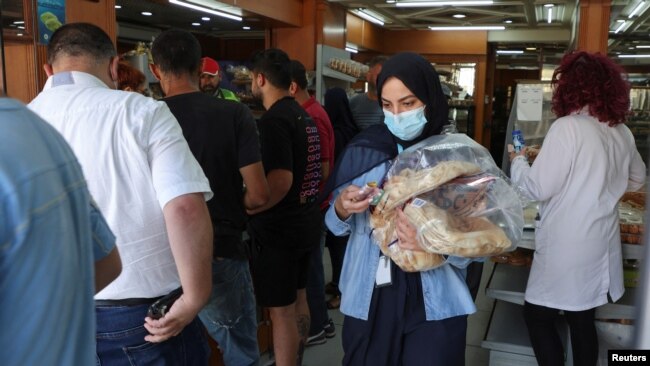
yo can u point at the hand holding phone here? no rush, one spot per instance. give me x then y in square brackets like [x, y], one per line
[159, 308]
[368, 190]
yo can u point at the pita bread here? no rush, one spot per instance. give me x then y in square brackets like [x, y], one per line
[410, 183]
[465, 236]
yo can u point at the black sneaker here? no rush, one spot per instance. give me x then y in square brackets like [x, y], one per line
[329, 329]
[318, 338]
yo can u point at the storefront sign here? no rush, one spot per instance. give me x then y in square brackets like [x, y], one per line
[51, 15]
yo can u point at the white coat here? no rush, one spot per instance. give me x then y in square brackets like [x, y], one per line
[581, 172]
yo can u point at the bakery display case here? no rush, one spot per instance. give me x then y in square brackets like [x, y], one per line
[507, 337]
[335, 68]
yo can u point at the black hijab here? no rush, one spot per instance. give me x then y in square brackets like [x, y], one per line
[419, 76]
[337, 107]
[376, 144]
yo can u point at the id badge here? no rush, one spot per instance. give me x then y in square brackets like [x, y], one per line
[383, 276]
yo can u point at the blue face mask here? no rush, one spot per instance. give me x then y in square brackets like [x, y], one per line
[406, 125]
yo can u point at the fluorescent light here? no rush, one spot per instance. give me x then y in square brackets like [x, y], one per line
[550, 15]
[634, 56]
[471, 27]
[415, 4]
[206, 19]
[390, 1]
[620, 27]
[196, 24]
[118, 6]
[510, 52]
[642, 46]
[549, 5]
[459, 16]
[246, 28]
[367, 16]
[531, 49]
[19, 34]
[147, 13]
[21, 27]
[19, 22]
[206, 10]
[636, 10]
[507, 21]
[350, 49]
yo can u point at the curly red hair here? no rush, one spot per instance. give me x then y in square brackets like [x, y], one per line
[593, 80]
[129, 76]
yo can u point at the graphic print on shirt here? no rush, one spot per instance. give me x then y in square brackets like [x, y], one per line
[313, 174]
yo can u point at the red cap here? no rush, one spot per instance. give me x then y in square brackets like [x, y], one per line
[210, 66]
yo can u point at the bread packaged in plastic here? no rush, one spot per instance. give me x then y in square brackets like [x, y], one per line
[458, 199]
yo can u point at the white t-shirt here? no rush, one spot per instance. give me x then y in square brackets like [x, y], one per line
[135, 158]
[581, 172]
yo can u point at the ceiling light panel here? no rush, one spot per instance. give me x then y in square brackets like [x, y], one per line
[421, 4]
[469, 27]
[205, 9]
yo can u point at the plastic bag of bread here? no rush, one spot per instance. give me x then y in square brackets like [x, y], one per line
[459, 200]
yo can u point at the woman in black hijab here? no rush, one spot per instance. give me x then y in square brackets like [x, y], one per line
[394, 317]
[337, 107]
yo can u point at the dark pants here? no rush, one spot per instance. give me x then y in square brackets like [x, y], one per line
[336, 246]
[396, 332]
[473, 278]
[316, 291]
[546, 340]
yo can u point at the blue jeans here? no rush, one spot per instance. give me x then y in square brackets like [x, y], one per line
[120, 340]
[230, 316]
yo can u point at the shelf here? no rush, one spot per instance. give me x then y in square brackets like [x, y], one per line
[338, 75]
[623, 309]
[508, 283]
[633, 251]
[508, 332]
[527, 240]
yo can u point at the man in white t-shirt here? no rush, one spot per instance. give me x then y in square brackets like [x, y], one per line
[151, 190]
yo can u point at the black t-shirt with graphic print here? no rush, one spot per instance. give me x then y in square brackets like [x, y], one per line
[290, 141]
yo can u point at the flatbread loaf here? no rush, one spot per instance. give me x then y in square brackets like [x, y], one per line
[408, 260]
[465, 236]
[410, 183]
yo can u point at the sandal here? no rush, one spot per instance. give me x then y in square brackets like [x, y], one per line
[334, 302]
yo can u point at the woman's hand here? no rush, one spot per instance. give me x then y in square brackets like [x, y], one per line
[406, 232]
[512, 154]
[351, 200]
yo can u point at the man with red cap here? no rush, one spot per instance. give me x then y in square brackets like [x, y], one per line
[210, 79]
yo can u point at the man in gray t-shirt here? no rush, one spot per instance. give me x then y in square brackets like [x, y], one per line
[365, 107]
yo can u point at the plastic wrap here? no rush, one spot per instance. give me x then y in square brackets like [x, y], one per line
[459, 200]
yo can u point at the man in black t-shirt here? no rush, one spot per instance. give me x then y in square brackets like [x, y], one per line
[222, 136]
[287, 228]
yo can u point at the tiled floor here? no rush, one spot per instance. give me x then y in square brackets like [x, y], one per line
[331, 353]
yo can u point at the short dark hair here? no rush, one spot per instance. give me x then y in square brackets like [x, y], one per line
[298, 74]
[177, 52]
[274, 64]
[80, 39]
[377, 60]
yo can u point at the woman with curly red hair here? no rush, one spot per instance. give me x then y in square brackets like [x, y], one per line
[588, 160]
[131, 79]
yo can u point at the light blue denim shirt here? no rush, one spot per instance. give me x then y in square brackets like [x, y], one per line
[50, 237]
[445, 292]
